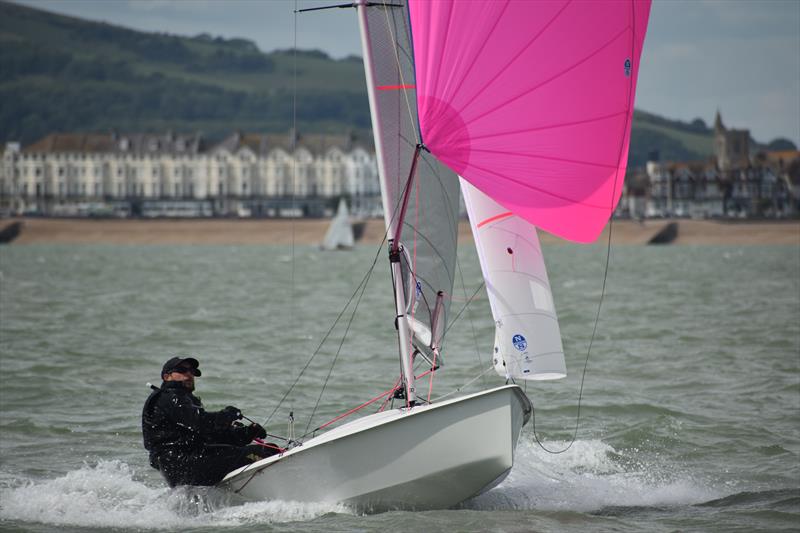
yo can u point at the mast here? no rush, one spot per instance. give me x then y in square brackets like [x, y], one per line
[391, 219]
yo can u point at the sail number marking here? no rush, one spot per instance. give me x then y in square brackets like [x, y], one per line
[519, 342]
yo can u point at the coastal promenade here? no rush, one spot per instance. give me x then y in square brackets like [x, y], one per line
[311, 231]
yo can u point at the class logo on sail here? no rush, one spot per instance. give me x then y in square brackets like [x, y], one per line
[519, 342]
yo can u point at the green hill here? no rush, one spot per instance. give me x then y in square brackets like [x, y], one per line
[61, 73]
[65, 74]
[672, 139]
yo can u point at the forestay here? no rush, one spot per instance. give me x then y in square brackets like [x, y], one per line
[431, 222]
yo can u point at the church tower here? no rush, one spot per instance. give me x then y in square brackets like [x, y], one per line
[731, 147]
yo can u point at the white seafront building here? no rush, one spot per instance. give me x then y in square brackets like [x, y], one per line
[178, 175]
[290, 175]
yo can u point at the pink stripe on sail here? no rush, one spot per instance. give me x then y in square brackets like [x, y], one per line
[496, 217]
[394, 87]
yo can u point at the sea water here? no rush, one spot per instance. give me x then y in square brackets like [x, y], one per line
[690, 413]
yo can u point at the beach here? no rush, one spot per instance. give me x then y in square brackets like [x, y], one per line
[311, 231]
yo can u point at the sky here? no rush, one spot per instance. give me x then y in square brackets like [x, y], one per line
[741, 57]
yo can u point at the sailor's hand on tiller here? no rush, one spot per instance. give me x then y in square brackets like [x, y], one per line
[232, 413]
[258, 432]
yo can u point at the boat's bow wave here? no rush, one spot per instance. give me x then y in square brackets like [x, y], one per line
[590, 477]
[110, 494]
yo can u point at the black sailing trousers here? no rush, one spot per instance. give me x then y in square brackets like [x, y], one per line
[207, 466]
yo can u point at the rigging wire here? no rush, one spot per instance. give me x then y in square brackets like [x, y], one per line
[330, 330]
[293, 145]
[363, 287]
[471, 323]
[608, 257]
[339, 316]
[452, 322]
[465, 385]
[586, 361]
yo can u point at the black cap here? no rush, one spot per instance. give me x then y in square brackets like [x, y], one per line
[177, 362]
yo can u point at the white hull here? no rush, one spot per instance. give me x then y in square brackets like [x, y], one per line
[431, 457]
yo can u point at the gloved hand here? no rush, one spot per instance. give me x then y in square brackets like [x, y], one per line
[258, 432]
[231, 413]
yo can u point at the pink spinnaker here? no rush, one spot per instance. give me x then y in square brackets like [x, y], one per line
[531, 101]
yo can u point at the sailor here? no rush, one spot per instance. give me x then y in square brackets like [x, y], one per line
[189, 445]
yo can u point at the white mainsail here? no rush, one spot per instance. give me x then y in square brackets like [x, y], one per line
[420, 194]
[340, 232]
[527, 337]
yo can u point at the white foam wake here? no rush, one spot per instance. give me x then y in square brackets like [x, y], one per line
[590, 476]
[109, 495]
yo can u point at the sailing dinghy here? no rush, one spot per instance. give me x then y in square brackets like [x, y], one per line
[340, 233]
[530, 103]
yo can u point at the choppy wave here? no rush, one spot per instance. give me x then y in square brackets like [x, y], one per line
[109, 495]
[692, 385]
[780, 498]
[590, 476]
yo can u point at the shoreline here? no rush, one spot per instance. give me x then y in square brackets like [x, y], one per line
[311, 231]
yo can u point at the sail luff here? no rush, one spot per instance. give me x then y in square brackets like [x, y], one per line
[369, 72]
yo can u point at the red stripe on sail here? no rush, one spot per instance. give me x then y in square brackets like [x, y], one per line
[496, 217]
[394, 87]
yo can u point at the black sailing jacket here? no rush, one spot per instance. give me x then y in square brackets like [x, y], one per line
[173, 419]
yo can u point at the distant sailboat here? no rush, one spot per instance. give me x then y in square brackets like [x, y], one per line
[530, 103]
[340, 232]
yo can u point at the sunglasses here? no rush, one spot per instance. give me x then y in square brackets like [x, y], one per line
[182, 370]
